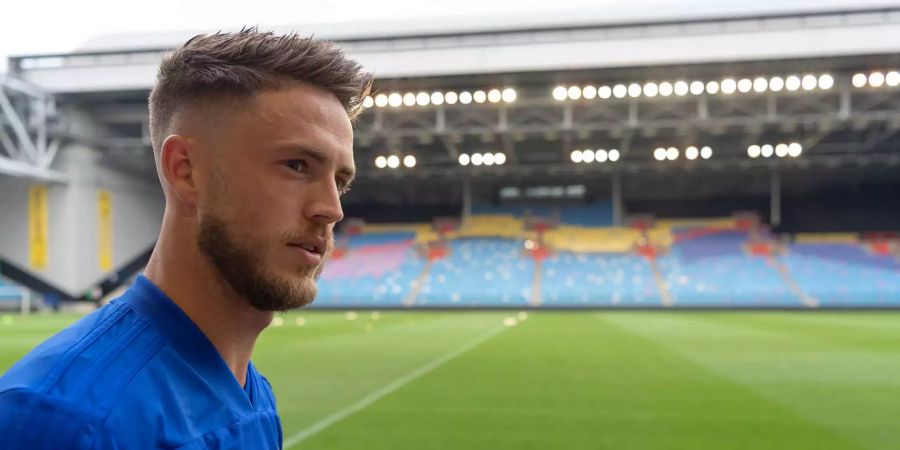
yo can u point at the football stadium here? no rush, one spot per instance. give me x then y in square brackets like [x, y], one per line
[669, 226]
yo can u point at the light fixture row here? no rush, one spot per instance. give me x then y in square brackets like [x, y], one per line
[393, 161]
[437, 98]
[486, 159]
[780, 150]
[599, 155]
[691, 153]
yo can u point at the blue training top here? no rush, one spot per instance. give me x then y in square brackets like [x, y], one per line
[135, 374]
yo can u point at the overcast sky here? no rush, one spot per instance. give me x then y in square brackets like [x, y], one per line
[40, 26]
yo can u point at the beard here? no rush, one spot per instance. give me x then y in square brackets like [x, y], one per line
[242, 266]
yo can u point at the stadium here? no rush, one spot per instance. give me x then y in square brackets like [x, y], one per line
[675, 228]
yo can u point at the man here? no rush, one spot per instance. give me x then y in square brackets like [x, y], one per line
[253, 144]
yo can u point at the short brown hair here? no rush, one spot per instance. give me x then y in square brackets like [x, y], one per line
[241, 64]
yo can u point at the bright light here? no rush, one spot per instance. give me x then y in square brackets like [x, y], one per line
[682, 88]
[381, 100]
[776, 84]
[479, 97]
[666, 89]
[393, 161]
[809, 82]
[601, 156]
[826, 82]
[745, 85]
[712, 87]
[465, 97]
[488, 159]
[706, 152]
[651, 89]
[691, 153]
[634, 90]
[560, 93]
[464, 159]
[451, 98]
[409, 99]
[753, 151]
[620, 91]
[437, 98]
[781, 150]
[795, 149]
[368, 102]
[494, 96]
[760, 85]
[577, 156]
[395, 100]
[587, 156]
[892, 78]
[876, 79]
[697, 87]
[729, 86]
[672, 153]
[477, 159]
[604, 92]
[614, 155]
[381, 162]
[859, 80]
[574, 93]
[423, 99]
[792, 83]
[499, 159]
[659, 154]
[766, 151]
[530, 245]
[589, 92]
[409, 161]
[509, 95]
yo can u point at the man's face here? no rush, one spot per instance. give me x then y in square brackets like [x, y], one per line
[269, 193]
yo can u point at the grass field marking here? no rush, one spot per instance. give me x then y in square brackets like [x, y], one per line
[373, 397]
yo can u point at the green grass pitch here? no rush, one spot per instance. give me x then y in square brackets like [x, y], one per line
[572, 380]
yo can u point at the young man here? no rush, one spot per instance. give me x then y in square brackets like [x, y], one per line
[254, 146]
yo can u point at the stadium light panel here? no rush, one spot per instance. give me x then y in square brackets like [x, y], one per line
[509, 95]
[760, 85]
[451, 98]
[706, 152]
[381, 100]
[409, 161]
[892, 78]
[753, 151]
[712, 87]
[494, 96]
[659, 154]
[368, 102]
[437, 98]
[479, 96]
[604, 92]
[691, 153]
[876, 79]
[766, 151]
[681, 88]
[672, 153]
[614, 155]
[488, 159]
[587, 156]
[781, 150]
[560, 93]
[576, 156]
[634, 90]
[745, 85]
[792, 83]
[620, 91]
[381, 162]
[589, 92]
[574, 93]
[729, 86]
[477, 159]
[499, 159]
[776, 84]
[409, 99]
[464, 159]
[601, 156]
[666, 89]
[650, 89]
[395, 100]
[423, 99]
[826, 82]
[393, 161]
[697, 87]
[859, 80]
[795, 149]
[809, 82]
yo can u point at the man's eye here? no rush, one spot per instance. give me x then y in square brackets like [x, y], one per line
[295, 165]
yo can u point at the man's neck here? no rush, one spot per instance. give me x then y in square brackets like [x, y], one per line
[227, 320]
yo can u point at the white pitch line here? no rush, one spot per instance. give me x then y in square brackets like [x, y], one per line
[363, 403]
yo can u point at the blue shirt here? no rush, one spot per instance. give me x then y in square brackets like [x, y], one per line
[135, 374]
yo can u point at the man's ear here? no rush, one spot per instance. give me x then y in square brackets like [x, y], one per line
[177, 168]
